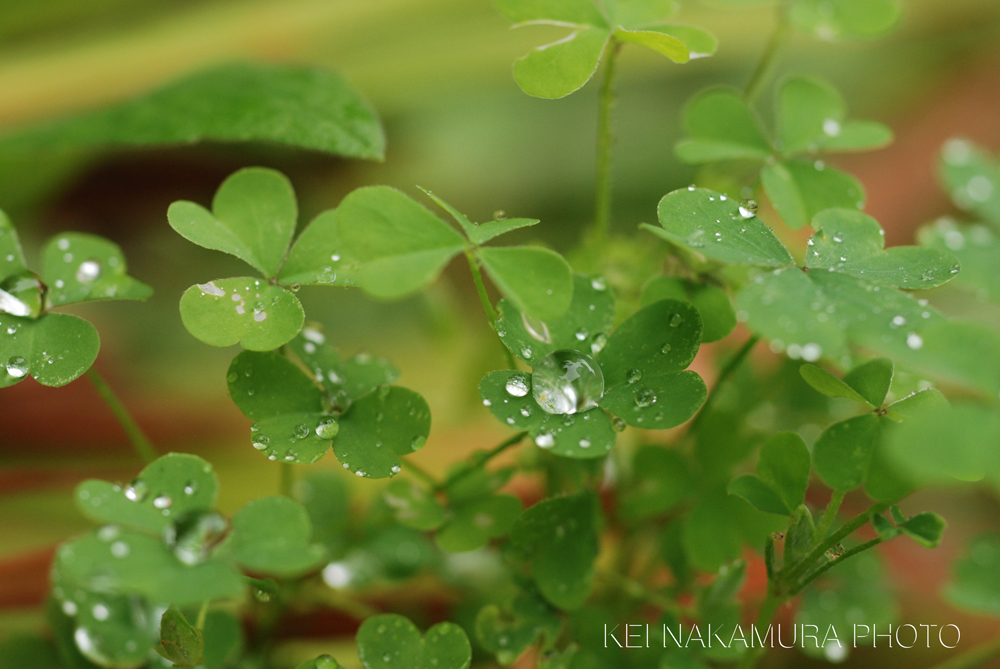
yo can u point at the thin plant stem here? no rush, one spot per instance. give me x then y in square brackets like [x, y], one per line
[976, 656]
[726, 372]
[287, 478]
[477, 277]
[845, 530]
[767, 61]
[140, 442]
[829, 514]
[482, 459]
[812, 576]
[202, 614]
[767, 610]
[421, 473]
[605, 145]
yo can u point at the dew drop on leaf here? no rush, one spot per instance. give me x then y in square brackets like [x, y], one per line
[633, 375]
[517, 386]
[191, 487]
[545, 440]
[211, 289]
[567, 381]
[301, 431]
[499, 215]
[748, 209]
[581, 334]
[327, 428]
[645, 397]
[618, 424]
[666, 348]
[136, 491]
[162, 501]
[17, 366]
[88, 271]
[536, 328]
[676, 320]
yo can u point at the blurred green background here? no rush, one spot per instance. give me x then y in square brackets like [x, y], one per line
[438, 72]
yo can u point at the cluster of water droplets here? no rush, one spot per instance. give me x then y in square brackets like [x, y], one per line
[259, 308]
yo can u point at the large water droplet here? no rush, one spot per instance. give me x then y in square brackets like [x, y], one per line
[23, 295]
[211, 289]
[327, 428]
[17, 366]
[748, 209]
[536, 328]
[517, 385]
[565, 382]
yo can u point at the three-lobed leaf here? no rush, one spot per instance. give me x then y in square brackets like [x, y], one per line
[390, 641]
[272, 536]
[54, 349]
[79, 267]
[539, 282]
[241, 310]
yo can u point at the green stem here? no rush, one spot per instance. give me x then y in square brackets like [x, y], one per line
[481, 459]
[726, 372]
[977, 656]
[605, 144]
[287, 478]
[639, 591]
[767, 610]
[140, 443]
[811, 576]
[202, 614]
[421, 473]
[477, 277]
[760, 75]
[846, 529]
[830, 514]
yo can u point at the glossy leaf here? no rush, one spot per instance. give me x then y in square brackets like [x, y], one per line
[871, 380]
[975, 586]
[79, 267]
[296, 106]
[398, 246]
[657, 402]
[760, 495]
[555, 70]
[800, 189]
[851, 242]
[977, 249]
[54, 349]
[584, 326]
[716, 526]
[720, 126]
[243, 310]
[713, 225]
[318, 257]
[11, 255]
[507, 394]
[473, 524]
[480, 233]
[662, 479]
[180, 642]
[380, 428]
[925, 528]
[264, 385]
[843, 452]
[271, 536]
[166, 490]
[800, 536]
[828, 384]
[223, 638]
[662, 43]
[253, 218]
[413, 506]
[972, 178]
[811, 117]
[124, 561]
[559, 536]
[718, 317]
[111, 630]
[581, 435]
[539, 282]
[445, 646]
[325, 496]
[784, 466]
[835, 20]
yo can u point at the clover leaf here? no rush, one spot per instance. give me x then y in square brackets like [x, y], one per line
[836, 20]
[391, 641]
[578, 370]
[972, 177]
[560, 68]
[272, 536]
[345, 402]
[180, 642]
[55, 349]
[810, 119]
[782, 476]
[718, 317]
[506, 633]
[975, 585]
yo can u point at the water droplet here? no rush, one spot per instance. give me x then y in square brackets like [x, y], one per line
[545, 440]
[526, 352]
[232, 377]
[301, 431]
[23, 295]
[633, 375]
[162, 501]
[517, 385]
[325, 662]
[565, 382]
[17, 366]
[599, 283]
[136, 491]
[327, 428]
[618, 424]
[526, 411]
[584, 443]
[417, 442]
[581, 334]
[294, 287]
[914, 341]
[69, 608]
[536, 328]
[191, 487]
[831, 127]
[211, 289]
[645, 397]
[748, 209]
[120, 549]
[88, 271]
[487, 403]
[260, 442]
[598, 342]
[259, 316]
[666, 348]
[499, 215]
[676, 320]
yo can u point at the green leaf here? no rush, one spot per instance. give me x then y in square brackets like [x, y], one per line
[321, 662]
[54, 350]
[297, 106]
[480, 233]
[977, 249]
[925, 528]
[800, 189]
[657, 402]
[720, 126]
[636, 13]
[242, 310]
[714, 226]
[574, 12]
[223, 638]
[507, 394]
[110, 630]
[584, 326]
[829, 385]
[800, 536]
[271, 536]
[180, 642]
[413, 506]
[581, 435]
[445, 646]
[539, 282]
[760, 495]
[784, 466]
[661, 43]
[11, 255]
[718, 316]
[380, 428]
[22, 650]
[851, 242]
[711, 530]
[843, 452]
[555, 70]
[166, 490]
[317, 257]
[559, 535]
[117, 561]
[976, 583]
[507, 634]
[699, 42]
[398, 245]
[473, 524]
[78, 267]
[662, 479]
[871, 380]
[253, 218]
[972, 178]
[835, 20]
[657, 340]
[811, 117]
[325, 496]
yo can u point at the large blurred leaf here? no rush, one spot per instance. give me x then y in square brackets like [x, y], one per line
[811, 116]
[272, 536]
[972, 178]
[555, 70]
[78, 267]
[976, 583]
[538, 281]
[720, 126]
[836, 20]
[391, 641]
[800, 189]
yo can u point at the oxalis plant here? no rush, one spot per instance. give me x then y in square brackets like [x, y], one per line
[652, 495]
